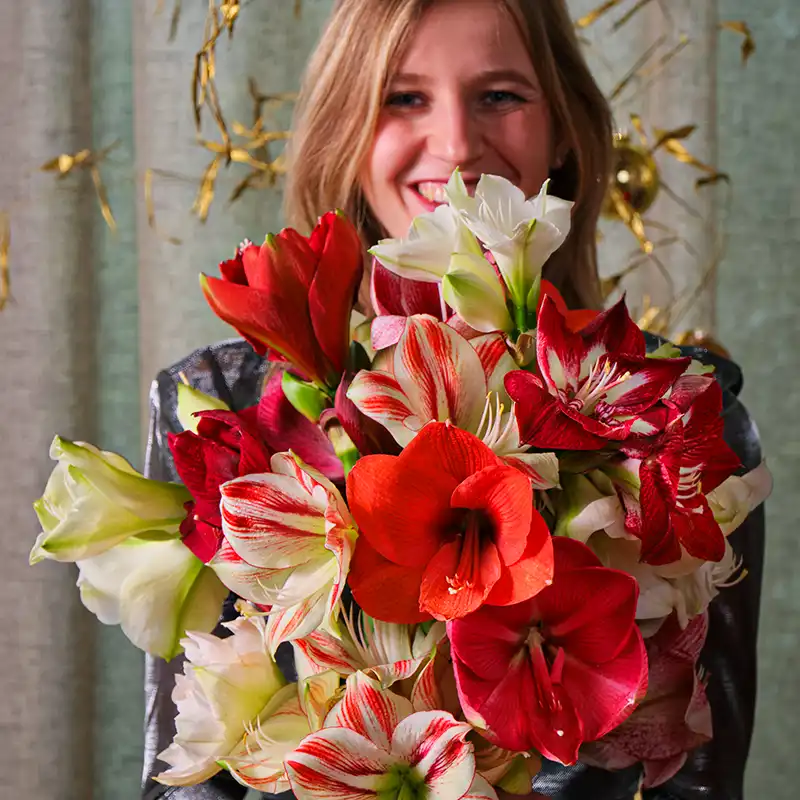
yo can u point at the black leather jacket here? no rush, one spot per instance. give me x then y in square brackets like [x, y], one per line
[233, 372]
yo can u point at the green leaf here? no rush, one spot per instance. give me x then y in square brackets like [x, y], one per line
[305, 397]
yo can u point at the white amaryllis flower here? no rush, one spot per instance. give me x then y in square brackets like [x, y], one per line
[227, 684]
[292, 714]
[736, 497]
[288, 542]
[154, 590]
[375, 745]
[588, 503]
[440, 248]
[686, 587]
[95, 499]
[438, 375]
[521, 234]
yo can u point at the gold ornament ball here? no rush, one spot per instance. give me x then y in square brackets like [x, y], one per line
[635, 177]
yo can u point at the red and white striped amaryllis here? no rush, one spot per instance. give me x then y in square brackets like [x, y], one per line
[596, 384]
[288, 542]
[558, 670]
[374, 745]
[675, 471]
[437, 376]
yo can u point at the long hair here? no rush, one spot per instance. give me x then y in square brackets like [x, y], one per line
[342, 96]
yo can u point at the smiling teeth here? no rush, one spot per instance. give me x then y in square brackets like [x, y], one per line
[435, 192]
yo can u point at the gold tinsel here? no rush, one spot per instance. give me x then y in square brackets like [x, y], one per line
[5, 246]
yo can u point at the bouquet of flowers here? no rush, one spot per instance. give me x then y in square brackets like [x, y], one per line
[487, 526]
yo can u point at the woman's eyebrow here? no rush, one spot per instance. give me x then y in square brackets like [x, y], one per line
[509, 75]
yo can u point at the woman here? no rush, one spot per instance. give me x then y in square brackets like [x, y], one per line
[397, 95]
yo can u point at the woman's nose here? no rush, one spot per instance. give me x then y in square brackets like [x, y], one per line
[454, 136]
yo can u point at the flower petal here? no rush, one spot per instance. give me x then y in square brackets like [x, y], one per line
[337, 764]
[367, 709]
[434, 743]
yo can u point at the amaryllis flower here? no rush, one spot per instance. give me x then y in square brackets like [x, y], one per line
[228, 444]
[675, 716]
[437, 375]
[445, 527]
[374, 745]
[294, 295]
[675, 472]
[288, 542]
[560, 669]
[596, 384]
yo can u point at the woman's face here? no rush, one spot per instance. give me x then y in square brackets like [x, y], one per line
[465, 95]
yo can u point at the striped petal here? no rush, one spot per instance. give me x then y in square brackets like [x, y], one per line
[256, 584]
[379, 396]
[496, 362]
[370, 711]
[320, 651]
[337, 764]
[296, 621]
[435, 744]
[481, 789]
[440, 373]
[272, 521]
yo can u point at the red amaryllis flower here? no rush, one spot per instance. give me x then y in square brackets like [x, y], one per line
[560, 669]
[230, 444]
[675, 472]
[225, 446]
[294, 295]
[445, 527]
[595, 385]
[673, 719]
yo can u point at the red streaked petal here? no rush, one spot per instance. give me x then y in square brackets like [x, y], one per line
[380, 397]
[386, 591]
[495, 359]
[272, 521]
[440, 373]
[559, 352]
[337, 764]
[434, 743]
[615, 332]
[256, 584]
[541, 420]
[369, 710]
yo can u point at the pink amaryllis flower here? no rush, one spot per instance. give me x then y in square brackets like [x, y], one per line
[675, 716]
[288, 542]
[294, 295]
[675, 471]
[374, 745]
[596, 384]
[558, 670]
[445, 527]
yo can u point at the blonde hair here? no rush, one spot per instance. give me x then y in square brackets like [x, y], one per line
[343, 92]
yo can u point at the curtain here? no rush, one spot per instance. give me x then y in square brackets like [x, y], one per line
[94, 314]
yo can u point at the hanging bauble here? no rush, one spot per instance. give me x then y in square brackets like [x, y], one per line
[634, 178]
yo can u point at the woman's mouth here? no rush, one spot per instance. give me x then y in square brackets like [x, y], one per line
[432, 194]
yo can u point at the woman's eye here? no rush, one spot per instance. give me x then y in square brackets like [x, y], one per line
[404, 100]
[500, 97]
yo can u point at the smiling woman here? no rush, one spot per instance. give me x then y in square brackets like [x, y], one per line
[401, 92]
[400, 97]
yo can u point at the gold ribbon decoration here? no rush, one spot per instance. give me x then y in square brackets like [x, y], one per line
[743, 29]
[67, 163]
[5, 272]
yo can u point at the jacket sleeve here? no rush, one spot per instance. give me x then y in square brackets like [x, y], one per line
[716, 770]
[160, 711]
